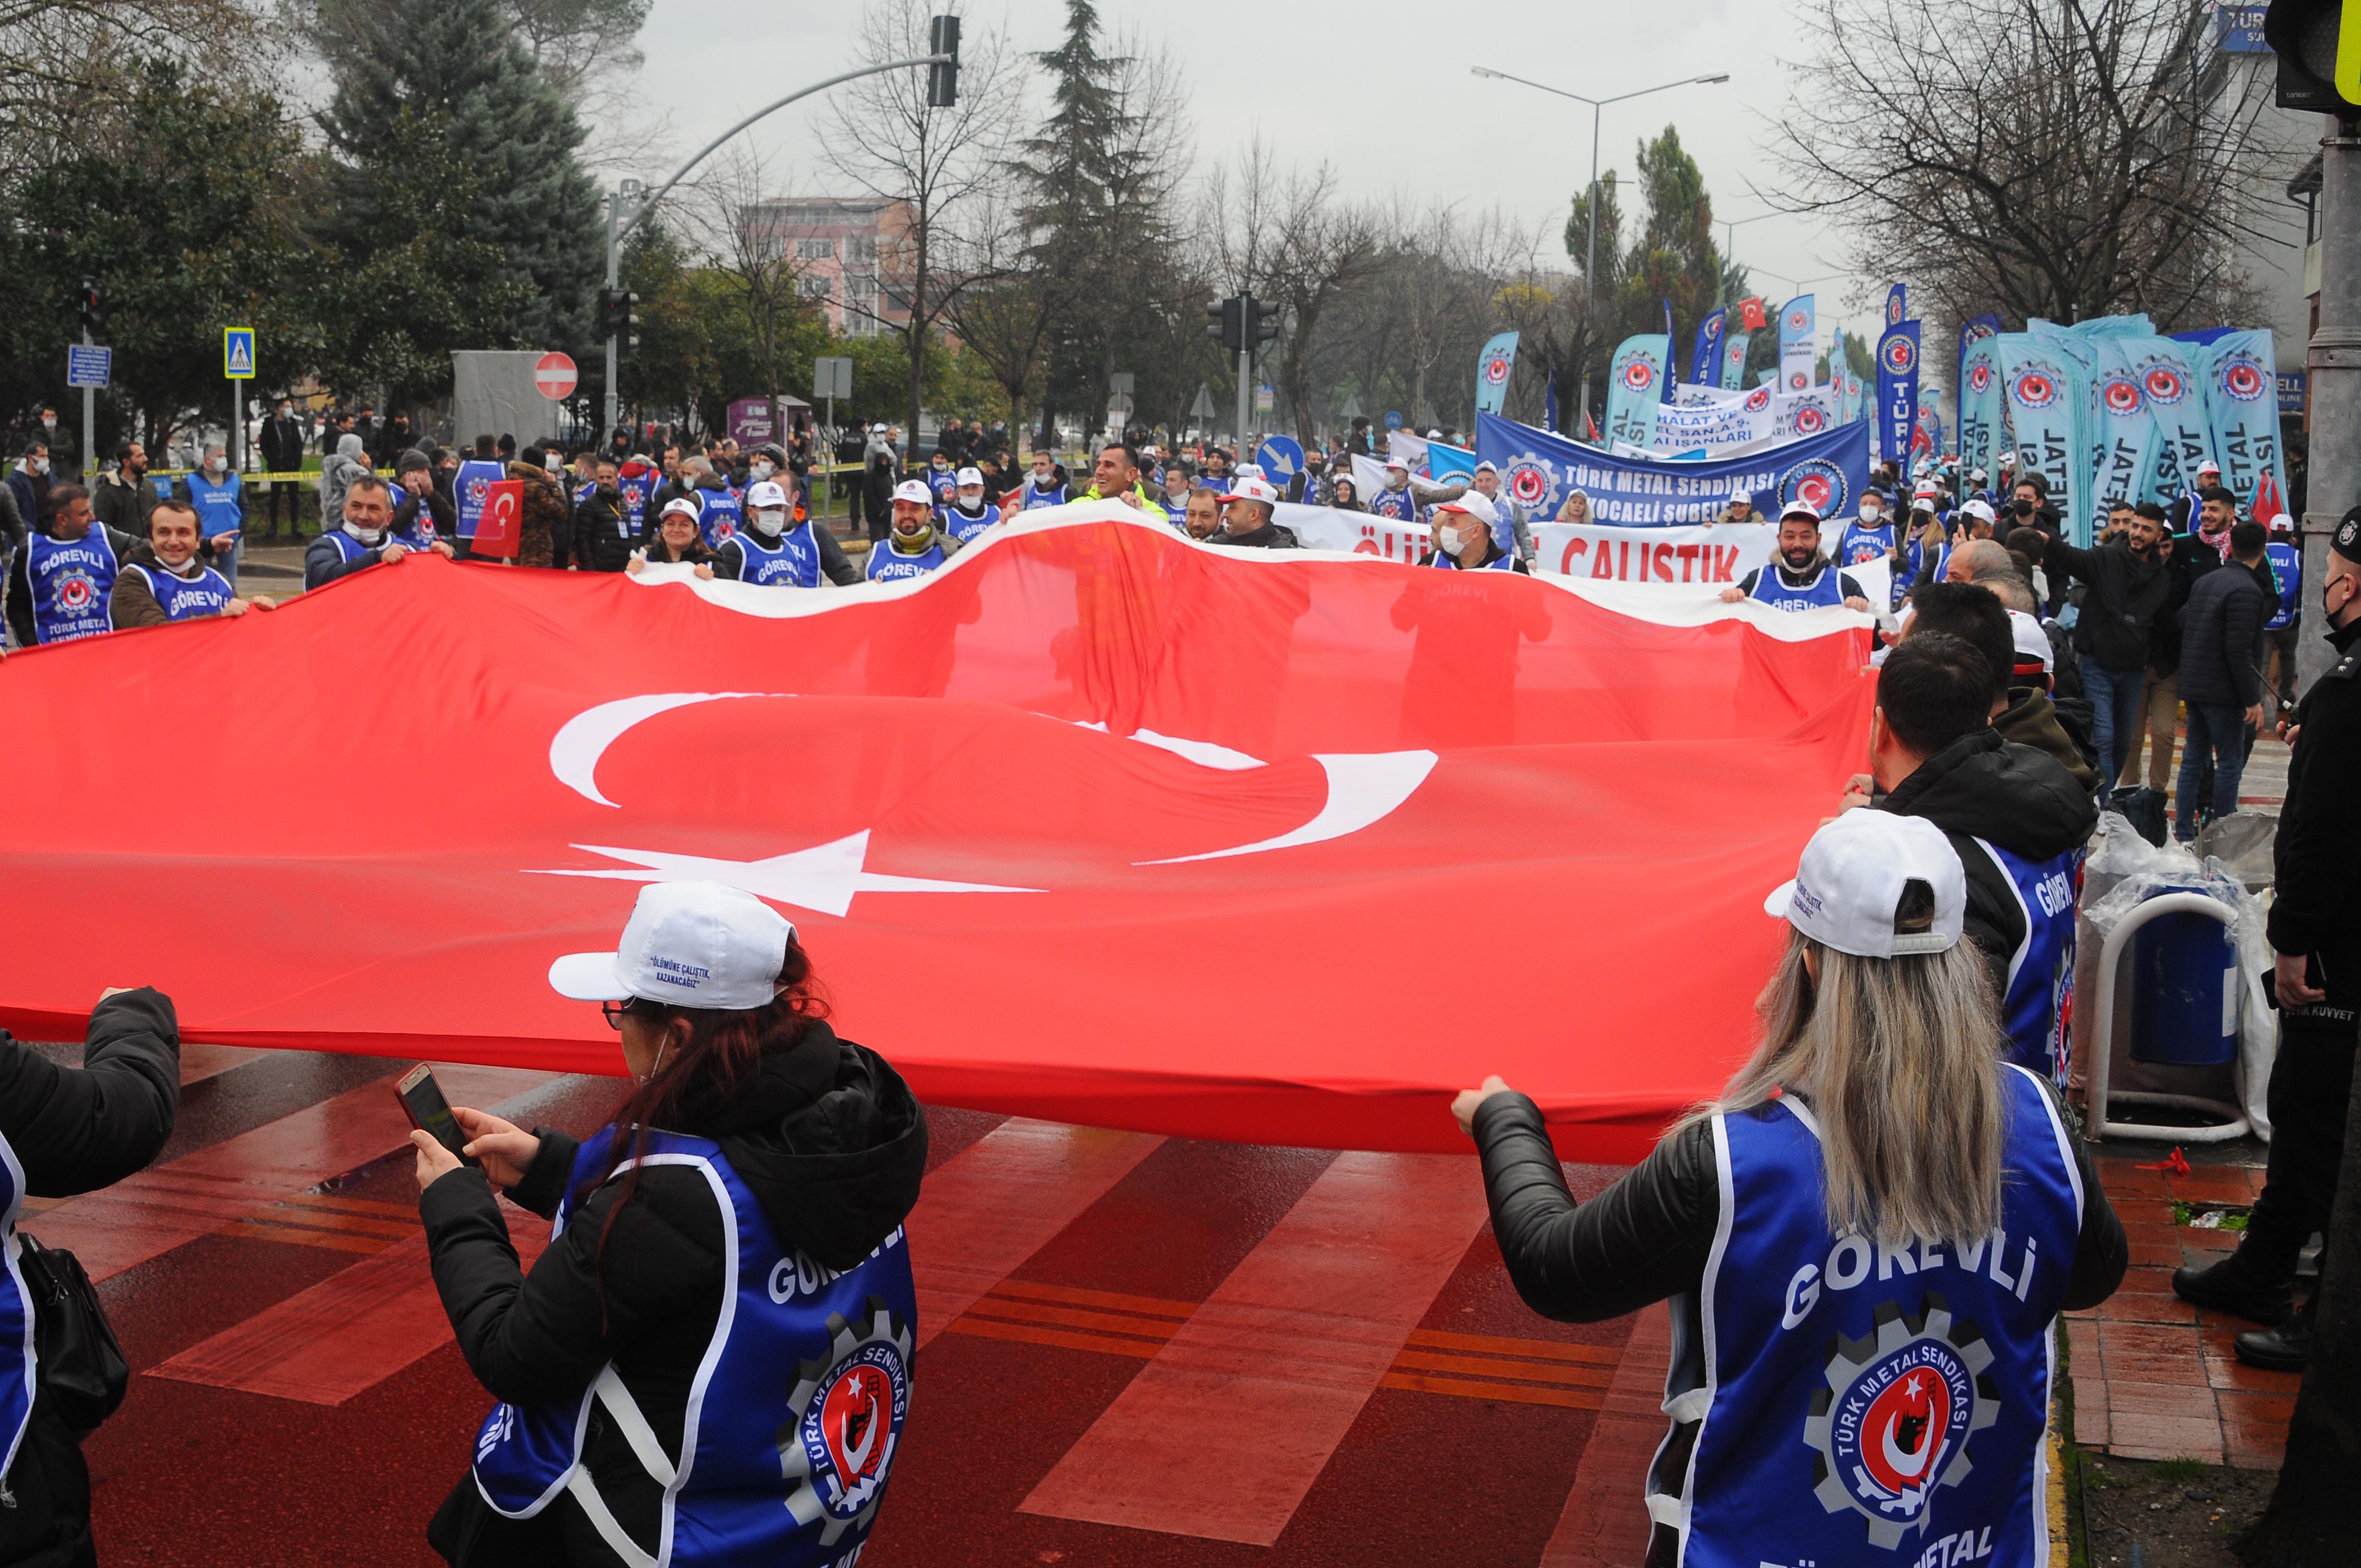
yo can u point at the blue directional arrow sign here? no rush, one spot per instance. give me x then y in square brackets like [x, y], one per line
[237, 353]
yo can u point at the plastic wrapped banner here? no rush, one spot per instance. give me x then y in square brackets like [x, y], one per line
[2167, 374]
[1635, 387]
[2127, 429]
[1035, 799]
[2242, 406]
[1798, 335]
[2044, 389]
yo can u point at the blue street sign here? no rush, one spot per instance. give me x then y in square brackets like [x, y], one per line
[237, 353]
[1280, 457]
[2238, 30]
[1393, 420]
[88, 365]
[2293, 384]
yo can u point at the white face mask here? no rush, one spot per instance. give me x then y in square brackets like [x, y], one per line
[215, 463]
[759, 471]
[1871, 513]
[366, 535]
[771, 521]
[1456, 541]
[37, 465]
[971, 498]
[49, 421]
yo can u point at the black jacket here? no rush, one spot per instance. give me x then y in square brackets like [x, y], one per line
[2316, 858]
[76, 1131]
[828, 1136]
[603, 537]
[1647, 1237]
[323, 562]
[282, 445]
[1269, 536]
[2221, 637]
[2119, 614]
[2012, 796]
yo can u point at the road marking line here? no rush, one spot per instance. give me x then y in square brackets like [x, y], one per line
[1605, 1524]
[998, 1202]
[1289, 1347]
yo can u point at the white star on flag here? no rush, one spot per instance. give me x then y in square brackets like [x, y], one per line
[823, 878]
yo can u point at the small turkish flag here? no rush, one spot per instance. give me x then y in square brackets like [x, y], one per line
[501, 528]
[1749, 314]
[2269, 510]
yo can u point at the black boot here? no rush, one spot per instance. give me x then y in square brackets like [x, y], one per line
[2230, 1287]
[2283, 1349]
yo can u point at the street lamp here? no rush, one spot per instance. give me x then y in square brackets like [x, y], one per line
[1598, 107]
[1729, 227]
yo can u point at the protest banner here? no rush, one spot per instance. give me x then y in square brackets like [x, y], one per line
[1897, 390]
[1799, 331]
[1540, 470]
[1361, 532]
[1635, 387]
[1718, 554]
[1493, 367]
[2242, 408]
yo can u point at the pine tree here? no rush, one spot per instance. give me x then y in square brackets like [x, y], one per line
[449, 73]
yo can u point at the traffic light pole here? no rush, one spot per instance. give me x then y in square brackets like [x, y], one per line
[2335, 364]
[618, 228]
[1246, 389]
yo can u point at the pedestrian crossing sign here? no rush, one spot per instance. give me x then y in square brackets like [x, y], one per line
[237, 353]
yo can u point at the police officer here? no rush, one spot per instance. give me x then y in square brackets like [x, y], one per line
[1799, 577]
[2315, 932]
[711, 1361]
[913, 546]
[1863, 1282]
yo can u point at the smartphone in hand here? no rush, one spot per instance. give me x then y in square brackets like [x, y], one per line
[422, 1101]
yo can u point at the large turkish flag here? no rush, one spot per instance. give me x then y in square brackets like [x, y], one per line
[1095, 824]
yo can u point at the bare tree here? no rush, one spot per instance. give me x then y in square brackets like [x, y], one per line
[1292, 239]
[936, 165]
[1005, 314]
[63, 66]
[2044, 158]
[729, 224]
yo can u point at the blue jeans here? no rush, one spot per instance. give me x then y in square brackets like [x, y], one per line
[2223, 727]
[225, 561]
[2115, 713]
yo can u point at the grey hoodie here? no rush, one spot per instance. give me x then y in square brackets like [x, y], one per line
[337, 476]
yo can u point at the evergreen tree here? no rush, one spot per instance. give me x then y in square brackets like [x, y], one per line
[438, 95]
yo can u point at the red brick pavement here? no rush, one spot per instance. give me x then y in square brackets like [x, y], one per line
[2154, 1377]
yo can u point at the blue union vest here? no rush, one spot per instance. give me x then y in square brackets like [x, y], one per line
[793, 1419]
[467, 489]
[69, 580]
[1772, 588]
[2287, 571]
[2039, 1003]
[960, 526]
[1853, 1397]
[17, 1368]
[218, 512]
[887, 564]
[186, 598]
[1395, 504]
[1028, 498]
[1859, 545]
[1502, 561]
[793, 562]
[722, 514]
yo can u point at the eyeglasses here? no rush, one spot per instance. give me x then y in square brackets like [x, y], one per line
[615, 1012]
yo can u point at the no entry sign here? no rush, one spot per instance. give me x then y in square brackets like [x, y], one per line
[554, 377]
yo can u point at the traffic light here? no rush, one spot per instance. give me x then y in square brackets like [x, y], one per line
[1226, 323]
[942, 80]
[615, 318]
[2319, 47]
[93, 305]
[1266, 319]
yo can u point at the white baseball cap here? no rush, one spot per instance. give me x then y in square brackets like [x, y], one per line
[1476, 504]
[1486, 466]
[1397, 463]
[1978, 508]
[967, 476]
[683, 506]
[2208, 466]
[1249, 485]
[914, 490]
[1926, 490]
[1849, 883]
[1800, 507]
[2032, 643]
[768, 493]
[693, 944]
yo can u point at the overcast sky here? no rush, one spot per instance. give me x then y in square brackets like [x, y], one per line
[1380, 89]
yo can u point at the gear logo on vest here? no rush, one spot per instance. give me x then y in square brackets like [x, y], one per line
[76, 591]
[846, 1414]
[1893, 1425]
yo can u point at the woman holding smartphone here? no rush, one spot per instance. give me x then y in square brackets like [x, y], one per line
[711, 1361]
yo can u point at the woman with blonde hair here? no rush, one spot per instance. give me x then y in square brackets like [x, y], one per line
[1866, 1240]
[1575, 507]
